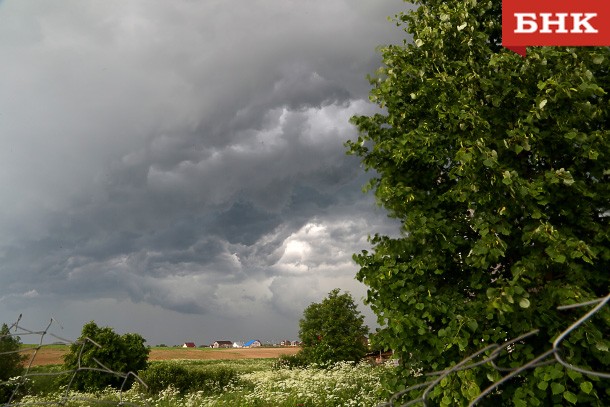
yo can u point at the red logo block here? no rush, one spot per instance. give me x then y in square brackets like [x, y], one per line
[555, 23]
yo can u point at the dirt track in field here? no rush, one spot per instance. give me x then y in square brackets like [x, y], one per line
[54, 356]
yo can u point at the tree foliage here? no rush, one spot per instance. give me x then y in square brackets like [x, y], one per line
[119, 353]
[11, 361]
[497, 168]
[333, 330]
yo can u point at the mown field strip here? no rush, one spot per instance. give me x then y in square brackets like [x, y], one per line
[54, 355]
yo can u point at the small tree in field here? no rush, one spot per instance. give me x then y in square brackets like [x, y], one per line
[119, 353]
[11, 361]
[497, 167]
[333, 331]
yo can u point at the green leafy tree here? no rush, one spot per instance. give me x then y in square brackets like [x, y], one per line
[497, 168]
[11, 362]
[333, 331]
[119, 353]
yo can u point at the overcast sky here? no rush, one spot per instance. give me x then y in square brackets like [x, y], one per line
[177, 168]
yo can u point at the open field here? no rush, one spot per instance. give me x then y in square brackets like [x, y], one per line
[54, 355]
[238, 383]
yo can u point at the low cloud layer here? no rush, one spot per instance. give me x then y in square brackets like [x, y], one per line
[177, 168]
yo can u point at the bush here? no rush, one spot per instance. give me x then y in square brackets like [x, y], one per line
[290, 361]
[11, 363]
[160, 376]
[119, 353]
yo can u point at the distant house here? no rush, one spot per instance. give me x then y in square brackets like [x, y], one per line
[189, 345]
[286, 342]
[380, 357]
[252, 344]
[238, 344]
[222, 344]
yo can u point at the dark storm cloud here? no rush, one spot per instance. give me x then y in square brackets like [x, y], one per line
[183, 158]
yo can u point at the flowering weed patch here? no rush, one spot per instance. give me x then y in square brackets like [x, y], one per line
[343, 384]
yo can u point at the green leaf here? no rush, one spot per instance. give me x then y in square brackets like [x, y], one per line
[586, 387]
[601, 346]
[543, 385]
[557, 388]
[472, 324]
[574, 375]
[571, 397]
[556, 372]
[524, 303]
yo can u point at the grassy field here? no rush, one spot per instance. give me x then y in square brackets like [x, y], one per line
[253, 383]
[251, 379]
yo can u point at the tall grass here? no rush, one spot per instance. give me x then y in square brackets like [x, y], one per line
[257, 384]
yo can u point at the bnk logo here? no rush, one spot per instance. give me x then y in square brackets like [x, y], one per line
[555, 23]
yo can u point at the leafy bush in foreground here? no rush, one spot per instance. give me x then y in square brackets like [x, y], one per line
[11, 362]
[119, 353]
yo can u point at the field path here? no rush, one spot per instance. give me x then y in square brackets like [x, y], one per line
[54, 355]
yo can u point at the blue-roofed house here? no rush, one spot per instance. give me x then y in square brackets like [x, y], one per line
[252, 344]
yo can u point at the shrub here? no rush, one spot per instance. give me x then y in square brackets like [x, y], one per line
[11, 363]
[290, 361]
[160, 376]
[119, 353]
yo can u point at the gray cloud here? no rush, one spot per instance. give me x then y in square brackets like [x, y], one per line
[183, 160]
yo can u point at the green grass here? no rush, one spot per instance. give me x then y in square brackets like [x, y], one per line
[43, 379]
[258, 384]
